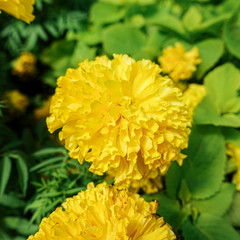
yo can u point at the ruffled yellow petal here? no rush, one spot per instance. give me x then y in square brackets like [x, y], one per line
[178, 63]
[120, 115]
[105, 213]
[21, 9]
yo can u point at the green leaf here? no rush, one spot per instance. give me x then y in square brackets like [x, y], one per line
[222, 84]
[219, 203]
[22, 171]
[101, 13]
[209, 227]
[20, 225]
[210, 52]
[184, 193]
[123, 38]
[10, 201]
[231, 135]
[205, 165]
[170, 209]
[234, 211]
[173, 180]
[167, 21]
[231, 35]
[5, 168]
[192, 18]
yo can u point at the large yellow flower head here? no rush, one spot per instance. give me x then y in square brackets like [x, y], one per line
[105, 213]
[122, 116]
[234, 152]
[179, 63]
[21, 9]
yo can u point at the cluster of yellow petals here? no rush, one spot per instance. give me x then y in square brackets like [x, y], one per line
[44, 110]
[234, 152]
[122, 116]
[148, 185]
[178, 63]
[193, 96]
[16, 100]
[25, 65]
[105, 213]
[21, 9]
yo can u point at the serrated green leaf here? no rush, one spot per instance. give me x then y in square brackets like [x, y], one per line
[5, 168]
[209, 227]
[101, 13]
[217, 204]
[192, 18]
[205, 165]
[210, 51]
[123, 38]
[231, 35]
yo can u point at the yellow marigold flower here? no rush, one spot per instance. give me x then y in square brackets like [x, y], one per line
[149, 185]
[105, 212]
[21, 9]
[43, 111]
[16, 100]
[25, 65]
[234, 152]
[193, 96]
[122, 116]
[178, 63]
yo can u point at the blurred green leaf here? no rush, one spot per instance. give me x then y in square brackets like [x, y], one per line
[10, 201]
[209, 227]
[101, 13]
[210, 51]
[192, 18]
[5, 168]
[231, 135]
[123, 38]
[231, 35]
[234, 212]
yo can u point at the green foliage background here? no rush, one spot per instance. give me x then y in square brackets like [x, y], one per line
[36, 174]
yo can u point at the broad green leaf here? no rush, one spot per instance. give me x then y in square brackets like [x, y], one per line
[222, 84]
[231, 35]
[167, 21]
[206, 161]
[231, 135]
[207, 113]
[123, 38]
[209, 227]
[5, 169]
[192, 18]
[217, 204]
[10, 201]
[210, 51]
[221, 102]
[173, 180]
[170, 209]
[101, 13]
[234, 211]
